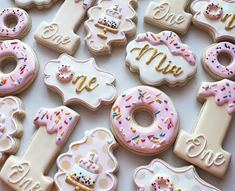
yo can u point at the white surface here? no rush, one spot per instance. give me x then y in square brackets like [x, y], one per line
[184, 98]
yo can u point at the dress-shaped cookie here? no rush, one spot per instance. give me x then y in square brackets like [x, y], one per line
[11, 129]
[80, 82]
[29, 172]
[89, 165]
[109, 24]
[161, 59]
[159, 175]
[203, 147]
[215, 16]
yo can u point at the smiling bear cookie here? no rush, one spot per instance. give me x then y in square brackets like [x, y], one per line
[89, 165]
[215, 16]
[161, 59]
[109, 24]
[80, 82]
[159, 175]
[11, 129]
[199, 147]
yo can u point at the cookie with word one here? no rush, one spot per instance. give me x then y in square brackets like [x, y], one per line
[80, 81]
[159, 175]
[215, 16]
[109, 24]
[60, 34]
[15, 23]
[89, 164]
[29, 172]
[40, 4]
[161, 59]
[11, 130]
[212, 64]
[203, 147]
[137, 138]
[168, 14]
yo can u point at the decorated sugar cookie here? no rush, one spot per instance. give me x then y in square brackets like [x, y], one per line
[89, 164]
[168, 14]
[200, 148]
[29, 172]
[215, 16]
[150, 140]
[40, 4]
[60, 34]
[212, 65]
[159, 175]
[15, 23]
[26, 67]
[80, 81]
[161, 59]
[11, 112]
[109, 24]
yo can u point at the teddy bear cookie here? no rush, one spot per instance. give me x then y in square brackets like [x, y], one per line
[29, 172]
[20, 78]
[161, 59]
[109, 24]
[11, 113]
[59, 35]
[15, 23]
[89, 164]
[200, 148]
[168, 14]
[80, 81]
[159, 175]
[213, 65]
[150, 140]
[215, 16]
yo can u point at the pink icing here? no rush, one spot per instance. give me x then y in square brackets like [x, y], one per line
[213, 64]
[171, 40]
[21, 26]
[25, 70]
[141, 139]
[223, 91]
[58, 120]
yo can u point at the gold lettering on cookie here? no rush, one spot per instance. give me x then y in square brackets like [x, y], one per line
[82, 83]
[197, 149]
[18, 175]
[230, 18]
[168, 68]
[51, 32]
[162, 12]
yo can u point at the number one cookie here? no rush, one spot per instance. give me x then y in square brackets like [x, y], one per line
[59, 34]
[55, 126]
[169, 14]
[203, 147]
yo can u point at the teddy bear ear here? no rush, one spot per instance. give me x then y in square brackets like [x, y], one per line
[198, 6]
[142, 177]
[9, 104]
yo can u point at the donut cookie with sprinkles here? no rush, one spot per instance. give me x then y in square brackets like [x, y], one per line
[15, 23]
[25, 71]
[150, 140]
[213, 66]
[160, 176]
[54, 128]
[200, 148]
[161, 59]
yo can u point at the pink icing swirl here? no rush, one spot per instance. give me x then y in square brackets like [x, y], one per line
[23, 23]
[212, 63]
[59, 120]
[172, 41]
[159, 134]
[223, 91]
[25, 70]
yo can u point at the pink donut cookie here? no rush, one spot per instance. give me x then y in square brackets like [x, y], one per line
[149, 140]
[14, 23]
[213, 66]
[26, 67]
